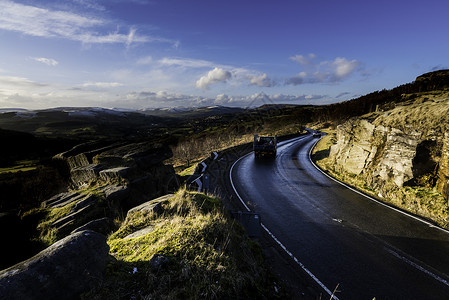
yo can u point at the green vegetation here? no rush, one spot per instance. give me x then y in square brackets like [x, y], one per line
[421, 195]
[20, 166]
[208, 255]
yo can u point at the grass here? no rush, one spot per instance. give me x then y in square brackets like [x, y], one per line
[209, 255]
[424, 201]
[21, 166]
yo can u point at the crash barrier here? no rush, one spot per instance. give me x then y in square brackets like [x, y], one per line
[199, 182]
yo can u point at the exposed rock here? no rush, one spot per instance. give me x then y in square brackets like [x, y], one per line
[115, 173]
[85, 175]
[62, 199]
[62, 271]
[103, 225]
[407, 146]
[387, 153]
[397, 160]
[71, 217]
[154, 205]
[443, 169]
[120, 164]
[140, 232]
[116, 193]
[89, 200]
[77, 161]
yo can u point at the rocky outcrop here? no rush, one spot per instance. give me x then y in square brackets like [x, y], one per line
[385, 153]
[118, 178]
[104, 226]
[117, 163]
[443, 168]
[152, 206]
[69, 267]
[407, 146]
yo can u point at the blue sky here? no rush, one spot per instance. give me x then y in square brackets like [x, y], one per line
[170, 53]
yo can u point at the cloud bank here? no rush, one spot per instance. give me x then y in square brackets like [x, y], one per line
[324, 71]
[42, 22]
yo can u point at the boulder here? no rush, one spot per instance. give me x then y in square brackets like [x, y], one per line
[64, 270]
[104, 225]
[154, 205]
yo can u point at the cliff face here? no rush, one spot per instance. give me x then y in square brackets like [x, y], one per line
[396, 151]
[107, 181]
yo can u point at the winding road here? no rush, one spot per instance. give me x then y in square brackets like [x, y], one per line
[339, 236]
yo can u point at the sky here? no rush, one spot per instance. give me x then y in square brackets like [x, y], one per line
[137, 54]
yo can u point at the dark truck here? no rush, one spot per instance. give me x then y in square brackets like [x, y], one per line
[265, 146]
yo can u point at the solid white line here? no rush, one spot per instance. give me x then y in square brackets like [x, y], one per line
[403, 258]
[277, 240]
[371, 198]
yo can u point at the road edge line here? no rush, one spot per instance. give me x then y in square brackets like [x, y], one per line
[372, 198]
[304, 268]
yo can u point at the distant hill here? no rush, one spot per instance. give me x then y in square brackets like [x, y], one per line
[384, 99]
[192, 112]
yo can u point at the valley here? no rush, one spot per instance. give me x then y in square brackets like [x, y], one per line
[67, 171]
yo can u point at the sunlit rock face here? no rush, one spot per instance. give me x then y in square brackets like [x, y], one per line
[383, 154]
[64, 270]
[443, 168]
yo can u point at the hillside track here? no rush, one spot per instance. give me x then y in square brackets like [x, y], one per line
[339, 236]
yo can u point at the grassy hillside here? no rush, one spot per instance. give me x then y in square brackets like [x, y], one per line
[188, 249]
[422, 115]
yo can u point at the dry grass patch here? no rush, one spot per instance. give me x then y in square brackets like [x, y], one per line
[206, 255]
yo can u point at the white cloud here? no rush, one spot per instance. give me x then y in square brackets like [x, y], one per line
[303, 60]
[42, 22]
[261, 80]
[47, 61]
[186, 62]
[13, 81]
[150, 99]
[344, 67]
[90, 4]
[102, 84]
[214, 76]
[325, 71]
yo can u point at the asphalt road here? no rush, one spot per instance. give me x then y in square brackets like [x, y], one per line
[340, 237]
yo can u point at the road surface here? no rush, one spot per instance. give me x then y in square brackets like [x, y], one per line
[340, 237]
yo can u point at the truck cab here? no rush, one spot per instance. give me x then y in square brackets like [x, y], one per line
[265, 146]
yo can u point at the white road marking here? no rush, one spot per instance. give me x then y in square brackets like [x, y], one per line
[401, 257]
[371, 198]
[329, 292]
[415, 265]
